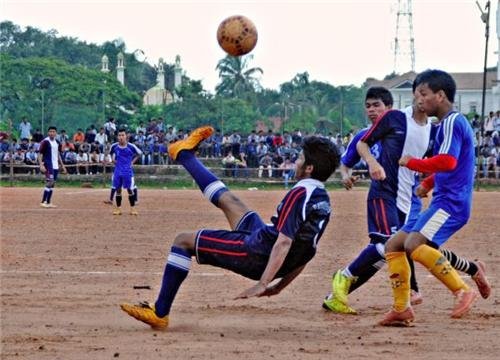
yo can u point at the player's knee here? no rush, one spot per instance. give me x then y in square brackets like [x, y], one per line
[185, 240]
[129, 191]
[50, 183]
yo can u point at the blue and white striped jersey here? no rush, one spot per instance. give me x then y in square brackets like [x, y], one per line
[453, 189]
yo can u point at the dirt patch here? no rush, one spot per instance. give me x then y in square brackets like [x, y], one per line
[65, 270]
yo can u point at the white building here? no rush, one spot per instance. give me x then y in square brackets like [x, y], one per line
[468, 98]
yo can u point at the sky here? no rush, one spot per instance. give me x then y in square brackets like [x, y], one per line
[338, 42]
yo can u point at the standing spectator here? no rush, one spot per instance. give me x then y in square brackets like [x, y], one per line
[288, 170]
[496, 122]
[50, 160]
[110, 128]
[25, 128]
[475, 123]
[37, 136]
[489, 125]
[102, 139]
[140, 127]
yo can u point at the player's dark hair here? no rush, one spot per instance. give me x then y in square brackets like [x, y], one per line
[380, 93]
[52, 128]
[322, 154]
[122, 130]
[437, 80]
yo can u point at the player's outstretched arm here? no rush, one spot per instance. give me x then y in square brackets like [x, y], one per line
[283, 282]
[278, 254]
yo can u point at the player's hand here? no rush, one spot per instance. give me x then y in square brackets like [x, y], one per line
[349, 181]
[421, 191]
[42, 168]
[64, 170]
[377, 172]
[404, 160]
[255, 291]
[272, 290]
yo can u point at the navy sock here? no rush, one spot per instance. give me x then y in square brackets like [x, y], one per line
[136, 195]
[119, 200]
[112, 194]
[364, 277]
[211, 187]
[368, 257]
[49, 196]
[45, 194]
[176, 270]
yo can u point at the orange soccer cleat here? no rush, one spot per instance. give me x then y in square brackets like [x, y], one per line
[191, 142]
[145, 312]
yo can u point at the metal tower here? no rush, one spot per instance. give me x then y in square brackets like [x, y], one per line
[404, 46]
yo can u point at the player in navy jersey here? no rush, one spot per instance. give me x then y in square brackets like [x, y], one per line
[49, 159]
[449, 210]
[124, 156]
[251, 248]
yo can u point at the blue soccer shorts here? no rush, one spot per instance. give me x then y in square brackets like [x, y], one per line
[122, 181]
[230, 249]
[435, 224]
[384, 219]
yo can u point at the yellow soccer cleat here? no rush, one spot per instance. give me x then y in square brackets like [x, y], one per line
[44, 205]
[191, 142]
[145, 312]
[133, 211]
[117, 211]
[340, 286]
[332, 304]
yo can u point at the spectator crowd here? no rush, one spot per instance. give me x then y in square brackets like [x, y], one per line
[270, 154]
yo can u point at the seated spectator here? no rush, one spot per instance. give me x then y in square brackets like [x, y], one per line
[229, 162]
[78, 138]
[69, 159]
[31, 159]
[240, 168]
[94, 162]
[82, 161]
[266, 163]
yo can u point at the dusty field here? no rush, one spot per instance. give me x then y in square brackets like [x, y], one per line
[64, 271]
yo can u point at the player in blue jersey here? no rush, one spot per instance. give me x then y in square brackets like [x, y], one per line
[391, 202]
[124, 156]
[49, 159]
[449, 210]
[251, 248]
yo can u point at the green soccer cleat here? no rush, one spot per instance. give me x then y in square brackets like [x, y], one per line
[332, 304]
[340, 286]
[191, 142]
[145, 312]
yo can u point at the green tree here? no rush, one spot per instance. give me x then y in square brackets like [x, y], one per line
[237, 79]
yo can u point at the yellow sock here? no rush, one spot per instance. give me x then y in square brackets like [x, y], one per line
[399, 275]
[441, 268]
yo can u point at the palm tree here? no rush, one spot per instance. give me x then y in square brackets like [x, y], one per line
[236, 78]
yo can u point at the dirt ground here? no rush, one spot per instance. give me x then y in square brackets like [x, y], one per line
[64, 271]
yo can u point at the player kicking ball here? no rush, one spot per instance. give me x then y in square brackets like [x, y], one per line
[251, 248]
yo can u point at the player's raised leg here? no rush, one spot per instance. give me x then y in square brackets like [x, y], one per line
[212, 188]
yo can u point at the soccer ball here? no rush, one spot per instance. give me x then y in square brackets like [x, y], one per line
[237, 35]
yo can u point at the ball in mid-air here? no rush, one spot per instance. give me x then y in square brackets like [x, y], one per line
[237, 35]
